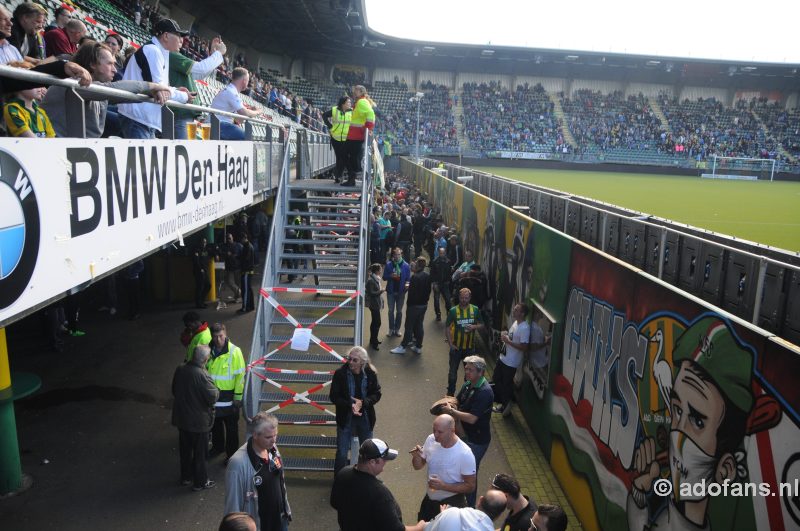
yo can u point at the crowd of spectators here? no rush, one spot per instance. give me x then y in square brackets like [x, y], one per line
[782, 123]
[705, 127]
[397, 116]
[496, 118]
[608, 121]
[348, 78]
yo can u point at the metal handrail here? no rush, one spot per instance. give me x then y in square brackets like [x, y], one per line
[271, 266]
[47, 79]
[363, 243]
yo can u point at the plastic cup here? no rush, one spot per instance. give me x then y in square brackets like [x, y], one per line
[205, 130]
[432, 476]
[191, 130]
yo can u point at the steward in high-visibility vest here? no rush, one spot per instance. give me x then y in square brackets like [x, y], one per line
[195, 333]
[227, 369]
[363, 118]
[338, 121]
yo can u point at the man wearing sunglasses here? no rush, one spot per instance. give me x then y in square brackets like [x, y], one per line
[520, 508]
[362, 501]
[548, 518]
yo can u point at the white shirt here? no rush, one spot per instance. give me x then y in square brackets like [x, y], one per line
[202, 69]
[455, 519]
[538, 356]
[228, 100]
[450, 464]
[9, 53]
[149, 114]
[518, 333]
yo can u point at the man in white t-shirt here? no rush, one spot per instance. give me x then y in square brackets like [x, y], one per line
[230, 101]
[451, 468]
[516, 340]
[489, 507]
[522, 337]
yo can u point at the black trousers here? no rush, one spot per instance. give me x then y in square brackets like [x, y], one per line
[202, 285]
[374, 326]
[340, 150]
[193, 448]
[354, 153]
[414, 331]
[429, 508]
[225, 434]
[248, 303]
[503, 379]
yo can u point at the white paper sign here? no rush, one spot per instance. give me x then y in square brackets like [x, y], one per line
[301, 339]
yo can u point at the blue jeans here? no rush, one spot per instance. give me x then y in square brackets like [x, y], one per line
[230, 131]
[133, 129]
[358, 427]
[396, 301]
[478, 450]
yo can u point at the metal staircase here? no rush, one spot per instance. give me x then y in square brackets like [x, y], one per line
[314, 276]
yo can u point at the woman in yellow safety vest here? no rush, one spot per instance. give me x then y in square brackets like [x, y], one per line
[363, 118]
[338, 121]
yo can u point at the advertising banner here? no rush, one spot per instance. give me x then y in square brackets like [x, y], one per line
[75, 209]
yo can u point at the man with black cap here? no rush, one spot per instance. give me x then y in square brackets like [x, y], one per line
[361, 499]
[151, 63]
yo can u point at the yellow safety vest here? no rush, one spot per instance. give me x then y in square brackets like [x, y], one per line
[341, 124]
[227, 370]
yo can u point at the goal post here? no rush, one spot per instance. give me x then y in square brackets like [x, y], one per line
[741, 168]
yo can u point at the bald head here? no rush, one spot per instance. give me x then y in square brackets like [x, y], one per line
[444, 422]
[493, 503]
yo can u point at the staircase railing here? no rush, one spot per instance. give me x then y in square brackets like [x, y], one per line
[263, 320]
[367, 186]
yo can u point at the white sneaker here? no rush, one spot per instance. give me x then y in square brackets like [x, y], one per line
[416, 350]
[398, 350]
[112, 311]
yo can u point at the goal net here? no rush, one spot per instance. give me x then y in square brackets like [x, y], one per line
[741, 168]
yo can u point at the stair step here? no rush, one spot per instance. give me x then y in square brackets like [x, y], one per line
[271, 397]
[311, 304]
[307, 463]
[331, 340]
[330, 198]
[297, 378]
[328, 257]
[292, 356]
[306, 321]
[326, 226]
[293, 418]
[324, 187]
[309, 283]
[306, 441]
[320, 241]
[321, 272]
[323, 214]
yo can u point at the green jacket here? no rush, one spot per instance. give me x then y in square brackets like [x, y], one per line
[182, 72]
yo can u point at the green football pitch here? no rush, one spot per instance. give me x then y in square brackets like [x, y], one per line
[760, 211]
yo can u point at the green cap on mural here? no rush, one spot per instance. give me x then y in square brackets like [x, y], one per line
[711, 344]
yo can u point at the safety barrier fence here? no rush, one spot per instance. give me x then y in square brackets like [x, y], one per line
[755, 282]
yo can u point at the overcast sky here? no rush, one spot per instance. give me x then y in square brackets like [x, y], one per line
[702, 29]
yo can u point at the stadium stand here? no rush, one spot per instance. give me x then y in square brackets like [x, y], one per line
[499, 119]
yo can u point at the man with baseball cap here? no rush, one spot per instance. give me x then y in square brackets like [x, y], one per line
[151, 63]
[362, 500]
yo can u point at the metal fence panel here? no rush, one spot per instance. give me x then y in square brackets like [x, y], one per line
[791, 325]
[739, 284]
[690, 270]
[773, 300]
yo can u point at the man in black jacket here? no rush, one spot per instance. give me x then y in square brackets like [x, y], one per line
[247, 261]
[441, 269]
[403, 235]
[419, 292]
[354, 391]
[193, 415]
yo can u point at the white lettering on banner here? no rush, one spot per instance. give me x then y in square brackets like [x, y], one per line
[124, 199]
[601, 353]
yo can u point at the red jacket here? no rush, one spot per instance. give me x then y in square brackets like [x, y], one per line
[56, 42]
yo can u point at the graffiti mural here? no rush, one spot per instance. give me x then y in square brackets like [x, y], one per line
[656, 411]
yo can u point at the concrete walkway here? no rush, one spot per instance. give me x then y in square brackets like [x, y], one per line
[98, 443]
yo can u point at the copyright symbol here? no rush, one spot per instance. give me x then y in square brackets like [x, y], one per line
[662, 487]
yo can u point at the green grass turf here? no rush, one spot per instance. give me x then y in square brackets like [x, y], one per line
[760, 211]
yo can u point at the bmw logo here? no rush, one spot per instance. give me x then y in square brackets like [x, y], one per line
[19, 230]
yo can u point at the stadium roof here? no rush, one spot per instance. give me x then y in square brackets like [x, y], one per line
[338, 31]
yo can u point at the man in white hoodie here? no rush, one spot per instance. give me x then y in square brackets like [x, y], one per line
[151, 63]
